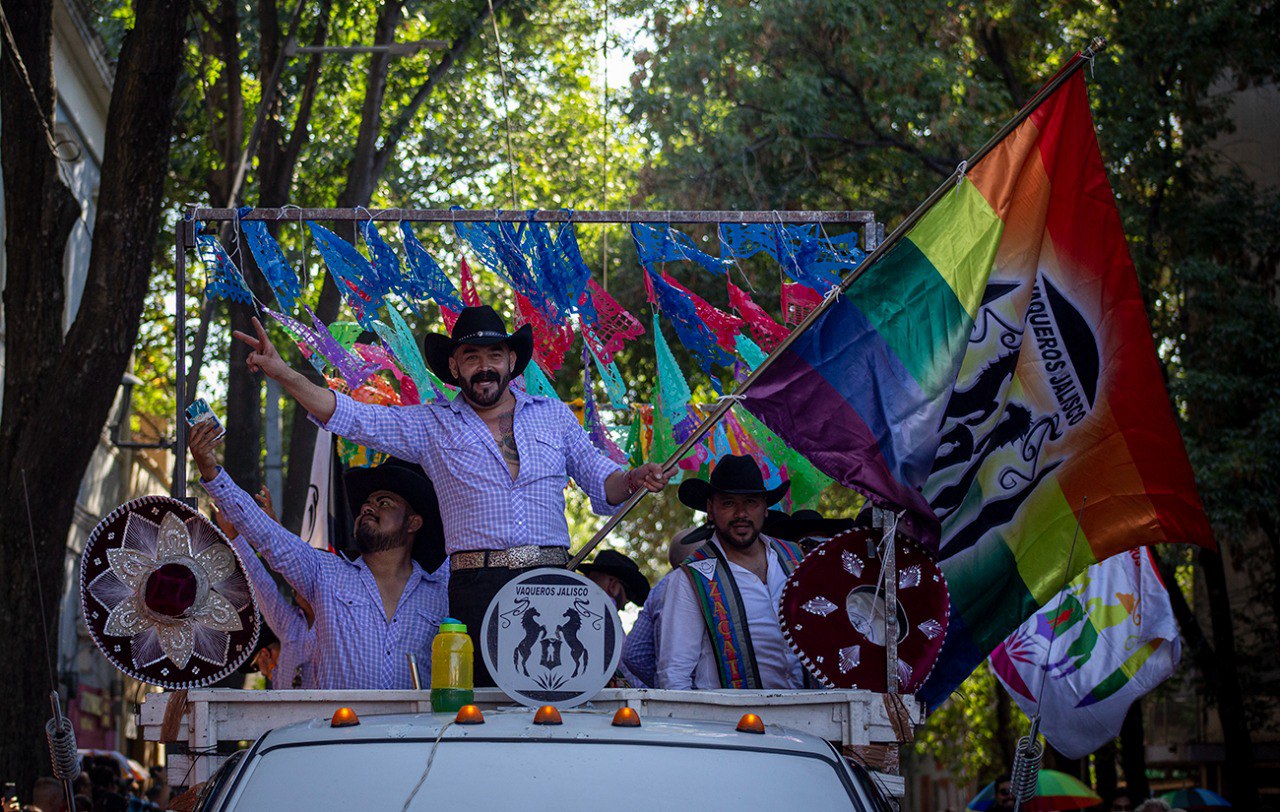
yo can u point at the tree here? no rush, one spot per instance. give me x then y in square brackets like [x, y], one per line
[45, 446]
[848, 105]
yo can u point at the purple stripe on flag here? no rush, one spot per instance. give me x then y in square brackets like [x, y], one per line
[802, 407]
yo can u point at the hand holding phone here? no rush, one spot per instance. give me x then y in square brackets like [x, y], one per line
[199, 412]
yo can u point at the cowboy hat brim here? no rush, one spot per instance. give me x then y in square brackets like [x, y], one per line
[437, 348]
[789, 528]
[694, 493]
[632, 580]
[414, 488]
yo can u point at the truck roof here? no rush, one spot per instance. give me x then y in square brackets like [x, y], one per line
[517, 724]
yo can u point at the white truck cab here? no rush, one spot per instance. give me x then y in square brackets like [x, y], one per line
[513, 759]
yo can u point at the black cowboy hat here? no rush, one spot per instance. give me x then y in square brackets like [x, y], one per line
[411, 484]
[738, 474]
[803, 524]
[625, 570]
[480, 326]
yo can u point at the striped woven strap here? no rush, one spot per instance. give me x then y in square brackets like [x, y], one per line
[726, 619]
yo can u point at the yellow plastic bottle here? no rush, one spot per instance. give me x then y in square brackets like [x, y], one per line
[452, 680]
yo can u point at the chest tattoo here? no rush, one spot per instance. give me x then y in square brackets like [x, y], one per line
[504, 432]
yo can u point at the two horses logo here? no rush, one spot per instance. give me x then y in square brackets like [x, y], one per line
[551, 635]
[566, 634]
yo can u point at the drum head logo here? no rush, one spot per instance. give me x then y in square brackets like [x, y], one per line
[551, 636]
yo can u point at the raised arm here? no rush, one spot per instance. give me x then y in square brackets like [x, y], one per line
[317, 400]
[287, 554]
[285, 619]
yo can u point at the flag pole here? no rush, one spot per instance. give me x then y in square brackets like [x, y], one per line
[1076, 62]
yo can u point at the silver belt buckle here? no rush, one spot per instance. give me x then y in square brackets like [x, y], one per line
[522, 557]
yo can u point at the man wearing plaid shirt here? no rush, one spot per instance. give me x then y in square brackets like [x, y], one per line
[499, 458]
[373, 611]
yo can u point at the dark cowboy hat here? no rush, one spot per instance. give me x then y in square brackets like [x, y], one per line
[412, 485]
[481, 326]
[625, 570]
[733, 474]
[803, 524]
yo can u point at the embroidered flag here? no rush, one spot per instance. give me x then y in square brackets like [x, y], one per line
[1114, 639]
[1018, 283]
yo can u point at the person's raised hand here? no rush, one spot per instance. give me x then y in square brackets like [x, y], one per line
[264, 499]
[201, 441]
[264, 356]
[228, 529]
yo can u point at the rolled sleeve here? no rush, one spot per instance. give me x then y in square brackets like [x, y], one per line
[287, 554]
[588, 466]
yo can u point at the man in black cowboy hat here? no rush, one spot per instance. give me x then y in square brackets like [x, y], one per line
[369, 612]
[499, 457]
[720, 622]
[619, 577]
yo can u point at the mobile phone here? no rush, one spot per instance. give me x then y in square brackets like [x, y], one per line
[10, 792]
[199, 412]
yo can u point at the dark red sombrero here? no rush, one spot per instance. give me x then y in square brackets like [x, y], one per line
[833, 613]
[165, 596]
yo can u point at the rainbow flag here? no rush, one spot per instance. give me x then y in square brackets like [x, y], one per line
[992, 371]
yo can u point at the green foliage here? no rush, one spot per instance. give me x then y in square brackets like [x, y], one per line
[962, 735]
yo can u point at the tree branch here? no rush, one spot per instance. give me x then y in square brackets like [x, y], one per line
[405, 118]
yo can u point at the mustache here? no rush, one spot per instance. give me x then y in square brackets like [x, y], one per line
[487, 375]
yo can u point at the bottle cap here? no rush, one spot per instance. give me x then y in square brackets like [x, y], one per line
[453, 625]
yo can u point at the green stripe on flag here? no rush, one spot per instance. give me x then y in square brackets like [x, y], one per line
[959, 237]
[987, 591]
[922, 297]
[1044, 530]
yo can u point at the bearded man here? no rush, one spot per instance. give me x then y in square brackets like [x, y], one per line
[500, 458]
[720, 621]
[371, 611]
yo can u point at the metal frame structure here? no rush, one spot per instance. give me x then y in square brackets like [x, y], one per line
[185, 240]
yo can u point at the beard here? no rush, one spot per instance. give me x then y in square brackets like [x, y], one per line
[369, 539]
[470, 387]
[735, 538]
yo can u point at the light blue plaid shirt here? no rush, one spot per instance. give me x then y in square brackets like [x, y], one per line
[640, 649]
[297, 639]
[356, 646]
[482, 507]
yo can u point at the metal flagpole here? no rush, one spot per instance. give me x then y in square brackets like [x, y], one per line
[1076, 63]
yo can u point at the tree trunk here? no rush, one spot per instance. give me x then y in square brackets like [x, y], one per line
[1104, 765]
[1006, 736]
[57, 395]
[1238, 773]
[1133, 754]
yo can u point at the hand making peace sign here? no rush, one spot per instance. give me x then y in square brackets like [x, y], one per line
[264, 358]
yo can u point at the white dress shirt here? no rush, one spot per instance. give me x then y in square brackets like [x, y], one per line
[686, 658]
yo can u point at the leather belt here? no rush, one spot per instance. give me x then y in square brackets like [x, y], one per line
[514, 558]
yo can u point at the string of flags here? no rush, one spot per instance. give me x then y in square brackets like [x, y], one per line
[553, 291]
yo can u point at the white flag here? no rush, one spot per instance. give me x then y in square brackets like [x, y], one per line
[316, 513]
[1116, 639]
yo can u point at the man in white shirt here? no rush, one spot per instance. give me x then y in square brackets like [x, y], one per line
[720, 621]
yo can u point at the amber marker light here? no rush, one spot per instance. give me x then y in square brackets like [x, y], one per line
[547, 715]
[469, 715]
[750, 723]
[626, 717]
[344, 717]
